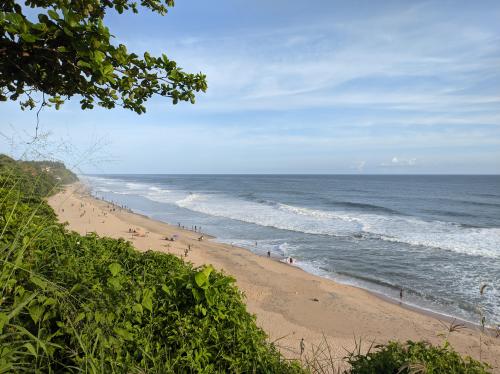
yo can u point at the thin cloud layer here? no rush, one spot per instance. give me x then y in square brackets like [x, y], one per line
[325, 87]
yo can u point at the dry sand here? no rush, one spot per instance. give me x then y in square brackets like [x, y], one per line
[289, 303]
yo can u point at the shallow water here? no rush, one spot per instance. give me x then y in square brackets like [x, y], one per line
[437, 237]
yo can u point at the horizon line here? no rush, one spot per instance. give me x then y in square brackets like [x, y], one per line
[306, 174]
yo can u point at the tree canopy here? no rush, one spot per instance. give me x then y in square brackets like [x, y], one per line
[68, 51]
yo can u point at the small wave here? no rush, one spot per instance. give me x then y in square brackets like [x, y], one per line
[192, 197]
[479, 203]
[158, 189]
[136, 186]
[365, 206]
[450, 213]
[487, 194]
[392, 228]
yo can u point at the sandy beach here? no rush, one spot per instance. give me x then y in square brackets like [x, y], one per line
[289, 303]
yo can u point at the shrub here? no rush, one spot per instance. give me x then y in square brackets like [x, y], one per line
[414, 357]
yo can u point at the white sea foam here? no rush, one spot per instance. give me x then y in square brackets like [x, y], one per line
[136, 186]
[189, 199]
[391, 228]
[394, 228]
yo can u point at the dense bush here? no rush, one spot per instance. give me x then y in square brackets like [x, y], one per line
[71, 303]
[414, 357]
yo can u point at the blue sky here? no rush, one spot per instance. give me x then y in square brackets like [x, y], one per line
[298, 87]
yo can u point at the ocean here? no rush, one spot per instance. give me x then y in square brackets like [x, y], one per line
[436, 237]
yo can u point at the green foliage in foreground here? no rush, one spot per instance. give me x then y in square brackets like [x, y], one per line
[414, 357]
[71, 303]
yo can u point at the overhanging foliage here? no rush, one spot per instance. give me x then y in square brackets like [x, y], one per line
[67, 50]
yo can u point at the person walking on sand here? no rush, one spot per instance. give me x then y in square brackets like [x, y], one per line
[302, 346]
[401, 295]
[268, 253]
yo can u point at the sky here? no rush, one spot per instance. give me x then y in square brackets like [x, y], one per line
[370, 87]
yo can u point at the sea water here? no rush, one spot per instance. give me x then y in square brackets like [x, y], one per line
[436, 237]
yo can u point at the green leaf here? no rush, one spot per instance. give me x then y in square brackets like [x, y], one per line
[36, 311]
[201, 277]
[123, 333]
[108, 70]
[38, 282]
[137, 308]
[210, 296]
[30, 348]
[79, 317]
[115, 283]
[196, 294]
[114, 268]
[99, 56]
[40, 26]
[53, 14]
[147, 300]
[83, 64]
[30, 38]
[4, 319]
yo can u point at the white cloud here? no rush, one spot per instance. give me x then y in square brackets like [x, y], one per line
[398, 161]
[417, 61]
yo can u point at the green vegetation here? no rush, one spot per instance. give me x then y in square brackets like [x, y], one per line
[34, 178]
[414, 357]
[67, 50]
[72, 303]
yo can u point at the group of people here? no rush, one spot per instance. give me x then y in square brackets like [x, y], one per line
[194, 228]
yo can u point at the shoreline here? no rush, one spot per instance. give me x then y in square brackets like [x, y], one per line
[411, 307]
[281, 259]
[277, 293]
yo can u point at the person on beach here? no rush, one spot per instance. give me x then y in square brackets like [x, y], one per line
[302, 346]
[268, 253]
[401, 294]
[291, 260]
